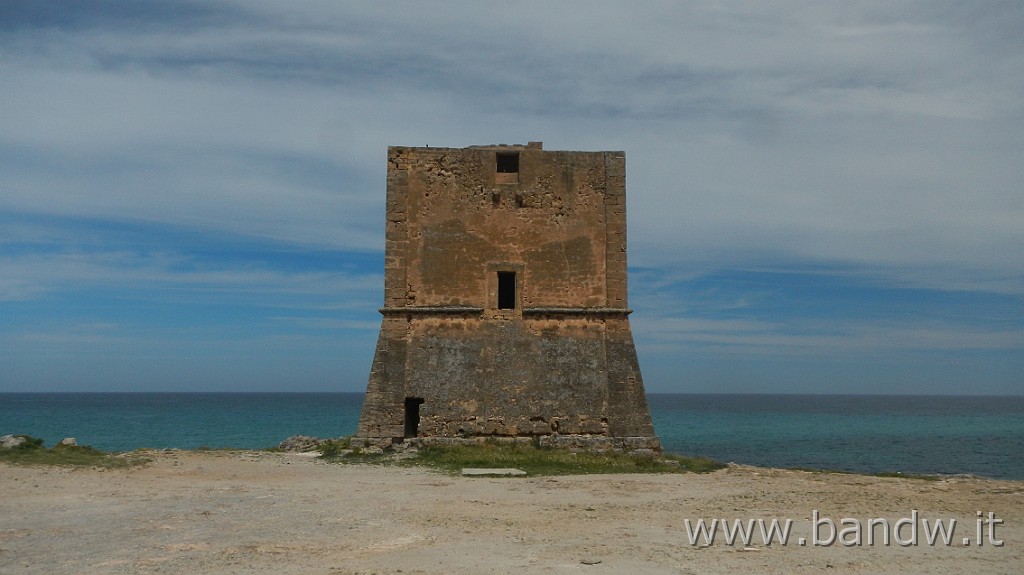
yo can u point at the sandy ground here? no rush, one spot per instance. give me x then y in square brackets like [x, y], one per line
[247, 512]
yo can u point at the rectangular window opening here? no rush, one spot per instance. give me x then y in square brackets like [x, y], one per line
[506, 290]
[508, 163]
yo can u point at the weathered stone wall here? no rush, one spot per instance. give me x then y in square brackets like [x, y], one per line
[561, 360]
[485, 377]
[448, 220]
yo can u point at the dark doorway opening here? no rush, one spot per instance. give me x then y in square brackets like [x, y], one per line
[506, 290]
[412, 416]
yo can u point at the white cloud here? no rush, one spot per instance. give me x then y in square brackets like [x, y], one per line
[880, 139]
[878, 134]
[152, 274]
[822, 339]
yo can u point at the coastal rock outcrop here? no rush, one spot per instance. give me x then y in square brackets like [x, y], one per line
[301, 443]
[12, 441]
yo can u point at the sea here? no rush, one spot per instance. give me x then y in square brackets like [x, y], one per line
[972, 435]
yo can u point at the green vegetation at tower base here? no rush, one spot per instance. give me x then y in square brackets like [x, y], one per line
[32, 452]
[538, 461]
[534, 461]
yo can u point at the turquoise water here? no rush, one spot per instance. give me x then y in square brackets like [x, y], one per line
[912, 434]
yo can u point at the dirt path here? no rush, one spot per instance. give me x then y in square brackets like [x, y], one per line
[246, 512]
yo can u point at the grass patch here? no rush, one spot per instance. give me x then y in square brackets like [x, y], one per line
[33, 453]
[534, 461]
[335, 447]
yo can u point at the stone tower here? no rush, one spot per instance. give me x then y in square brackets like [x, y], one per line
[505, 309]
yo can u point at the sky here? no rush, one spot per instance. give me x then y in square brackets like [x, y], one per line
[822, 197]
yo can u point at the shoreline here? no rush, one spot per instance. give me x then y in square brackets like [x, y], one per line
[298, 448]
[866, 434]
[228, 511]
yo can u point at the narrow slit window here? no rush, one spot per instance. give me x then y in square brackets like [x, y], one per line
[506, 290]
[508, 163]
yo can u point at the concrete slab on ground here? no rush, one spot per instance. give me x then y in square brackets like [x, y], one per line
[492, 471]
